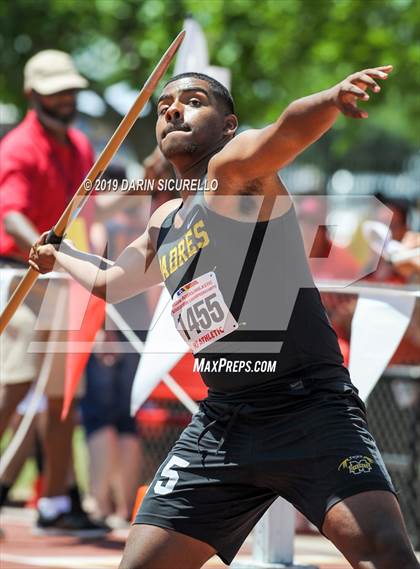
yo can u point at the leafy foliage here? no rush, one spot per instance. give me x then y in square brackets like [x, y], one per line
[277, 50]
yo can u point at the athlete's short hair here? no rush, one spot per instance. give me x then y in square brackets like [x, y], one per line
[216, 88]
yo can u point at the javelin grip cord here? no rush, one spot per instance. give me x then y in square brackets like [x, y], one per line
[53, 239]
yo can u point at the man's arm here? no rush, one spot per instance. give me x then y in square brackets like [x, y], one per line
[409, 267]
[258, 153]
[23, 231]
[18, 177]
[134, 271]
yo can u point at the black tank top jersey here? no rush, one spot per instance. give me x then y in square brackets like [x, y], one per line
[263, 275]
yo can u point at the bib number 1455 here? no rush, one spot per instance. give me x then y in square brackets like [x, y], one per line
[200, 312]
[202, 315]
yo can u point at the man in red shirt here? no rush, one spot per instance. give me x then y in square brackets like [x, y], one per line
[42, 162]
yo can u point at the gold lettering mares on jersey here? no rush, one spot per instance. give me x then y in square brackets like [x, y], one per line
[194, 239]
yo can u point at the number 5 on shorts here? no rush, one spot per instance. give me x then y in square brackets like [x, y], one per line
[171, 474]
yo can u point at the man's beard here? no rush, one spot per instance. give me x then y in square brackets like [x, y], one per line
[52, 119]
[65, 120]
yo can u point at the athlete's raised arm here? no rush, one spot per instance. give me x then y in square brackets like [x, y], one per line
[258, 153]
[134, 271]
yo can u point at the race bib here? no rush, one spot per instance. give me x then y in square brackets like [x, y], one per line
[200, 313]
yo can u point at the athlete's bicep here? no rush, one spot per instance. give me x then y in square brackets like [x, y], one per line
[134, 271]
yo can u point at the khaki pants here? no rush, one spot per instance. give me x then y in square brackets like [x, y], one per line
[47, 302]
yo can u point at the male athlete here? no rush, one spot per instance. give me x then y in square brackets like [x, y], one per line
[244, 300]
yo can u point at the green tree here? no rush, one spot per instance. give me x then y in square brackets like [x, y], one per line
[277, 50]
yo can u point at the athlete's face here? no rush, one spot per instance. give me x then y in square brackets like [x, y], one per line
[190, 119]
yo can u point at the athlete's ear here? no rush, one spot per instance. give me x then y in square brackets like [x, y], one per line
[230, 126]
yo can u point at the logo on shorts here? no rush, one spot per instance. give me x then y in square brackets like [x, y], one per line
[357, 464]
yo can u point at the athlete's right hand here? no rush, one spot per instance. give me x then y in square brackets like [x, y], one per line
[42, 257]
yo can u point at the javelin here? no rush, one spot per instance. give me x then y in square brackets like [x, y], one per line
[85, 188]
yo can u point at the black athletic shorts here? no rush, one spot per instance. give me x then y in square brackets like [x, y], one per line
[310, 444]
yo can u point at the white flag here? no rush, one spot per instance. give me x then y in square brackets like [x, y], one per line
[193, 55]
[377, 329]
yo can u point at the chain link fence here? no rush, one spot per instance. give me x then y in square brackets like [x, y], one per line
[394, 420]
[161, 423]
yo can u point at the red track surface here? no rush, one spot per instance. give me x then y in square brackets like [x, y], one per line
[21, 550]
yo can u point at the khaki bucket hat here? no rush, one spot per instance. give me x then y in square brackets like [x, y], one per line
[51, 71]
